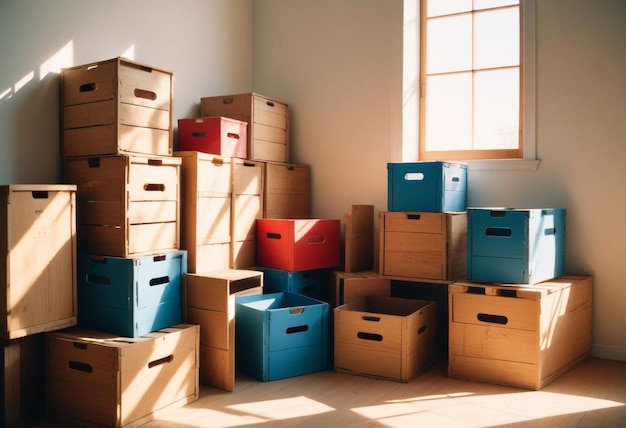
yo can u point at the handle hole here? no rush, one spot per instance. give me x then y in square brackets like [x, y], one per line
[199, 134]
[81, 367]
[498, 231]
[154, 187]
[297, 329]
[88, 87]
[494, 319]
[160, 361]
[273, 235]
[159, 281]
[148, 95]
[98, 279]
[370, 336]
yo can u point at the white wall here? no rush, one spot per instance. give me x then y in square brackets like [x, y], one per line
[206, 43]
[336, 64]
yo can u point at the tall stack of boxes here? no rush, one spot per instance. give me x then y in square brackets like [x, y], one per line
[117, 149]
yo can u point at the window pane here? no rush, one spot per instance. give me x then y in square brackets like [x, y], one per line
[484, 4]
[496, 109]
[449, 44]
[496, 38]
[449, 112]
[438, 7]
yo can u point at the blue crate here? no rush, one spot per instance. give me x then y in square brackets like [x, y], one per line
[515, 246]
[280, 335]
[426, 186]
[311, 283]
[130, 296]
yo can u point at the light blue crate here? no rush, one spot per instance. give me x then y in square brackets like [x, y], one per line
[280, 335]
[130, 296]
[427, 186]
[515, 246]
[311, 283]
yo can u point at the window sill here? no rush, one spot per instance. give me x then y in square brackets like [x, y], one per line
[504, 165]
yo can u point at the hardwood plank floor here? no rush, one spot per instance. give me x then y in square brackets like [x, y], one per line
[592, 394]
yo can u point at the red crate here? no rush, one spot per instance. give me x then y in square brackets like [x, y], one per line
[216, 135]
[298, 244]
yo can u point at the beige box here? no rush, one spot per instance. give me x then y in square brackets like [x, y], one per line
[268, 122]
[37, 258]
[97, 379]
[287, 190]
[521, 336]
[385, 337]
[127, 205]
[206, 192]
[116, 106]
[350, 286]
[247, 207]
[424, 246]
[210, 302]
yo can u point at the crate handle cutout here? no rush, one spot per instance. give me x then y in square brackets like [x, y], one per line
[154, 187]
[93, 162]
[88, 87]
[494, 319]
[155, 162]
[497, 213]
[145, 68]
[371, 318]
[159, 258]
[370, 336]
[40, 194]
[232, 135]
[79, 345]
[160, 361]
[550, 231]
[455, 179]
[297, 329]
[269, 103]
[422, 329]
[81, 367]
[199, 134]
[98, 279]
[294, 311]
[228, 100]
[217, 161]
[159, 281]
[498, 231]
[271, 235]
[414, 176]
[148, 95]
[413, 216]
[316, 239]
[290, 167]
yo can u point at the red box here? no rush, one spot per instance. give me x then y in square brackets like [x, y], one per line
[216, 135]
[298, 244]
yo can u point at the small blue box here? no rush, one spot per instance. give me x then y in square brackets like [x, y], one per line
[280, 335]
[130, 296]
[427, 186]
[311, 283]
[515, 246]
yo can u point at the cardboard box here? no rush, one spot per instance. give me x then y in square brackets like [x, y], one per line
[128, 206]
[281, 335]
[206, 189]
[423, 246]
[268, 122]
[216, 135]
[298, 244]
[521, 336]
[98, 379]
[37, 258]
[210, 303]
[427, 186]
[130, 296]
[114, 107]
[516, 246]
[385, 337]
[287, 190]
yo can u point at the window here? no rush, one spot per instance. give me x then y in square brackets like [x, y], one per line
[471, 80]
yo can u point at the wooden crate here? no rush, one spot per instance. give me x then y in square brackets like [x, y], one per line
[127, 205]
[385, 337]
[287, 190]
[521, 336]
[206, 191]
[268, 122]
[423, 246]
[116, 106]
[359, 239]
[98, 379]
[210, 302]
[350, 286]
[37, 258]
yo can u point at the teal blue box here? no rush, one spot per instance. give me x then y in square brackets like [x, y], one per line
[426, 186]
[515, 246]
[280, 335]
[311, 283]
[130, 297]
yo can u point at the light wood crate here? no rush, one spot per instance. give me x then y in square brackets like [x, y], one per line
[37, 258]
[287, 190]
[521, 336]
[350, 286]
[423, 246]
[268, 122]
[127, 205]
[116, 106]
[247, 207]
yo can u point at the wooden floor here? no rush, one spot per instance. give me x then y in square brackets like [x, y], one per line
[592, 394]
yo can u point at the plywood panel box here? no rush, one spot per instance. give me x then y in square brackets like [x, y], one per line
[287, 190]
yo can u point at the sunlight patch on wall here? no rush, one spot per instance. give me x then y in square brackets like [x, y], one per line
[23, 81]
[129, 53]
[5, 93]
[64, 57]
